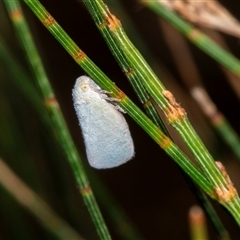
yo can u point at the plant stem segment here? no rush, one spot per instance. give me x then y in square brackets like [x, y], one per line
[55, 111]
[175, 114]
[95, 73]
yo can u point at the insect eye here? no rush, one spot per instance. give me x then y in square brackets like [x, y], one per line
[84, 87]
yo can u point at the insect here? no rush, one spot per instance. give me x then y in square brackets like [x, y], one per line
[105, 131]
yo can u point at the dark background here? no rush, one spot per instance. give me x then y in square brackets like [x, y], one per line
[150, 188]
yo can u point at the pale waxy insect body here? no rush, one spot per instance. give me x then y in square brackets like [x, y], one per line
[105, 131]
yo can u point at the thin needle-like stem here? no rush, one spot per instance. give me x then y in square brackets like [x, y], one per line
[175, 114]
[57, 118]
[95, 73]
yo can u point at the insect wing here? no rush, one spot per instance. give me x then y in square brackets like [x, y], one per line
[106, 134]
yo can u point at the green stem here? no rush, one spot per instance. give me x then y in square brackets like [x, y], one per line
[95, 73]
[156, 89]
[218, 121]
[56, 115]
[133, 72]
[196, 37]
[175, 114]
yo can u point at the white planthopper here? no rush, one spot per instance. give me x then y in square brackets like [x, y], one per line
[106, 134]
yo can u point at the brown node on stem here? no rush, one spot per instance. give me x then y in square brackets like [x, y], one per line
[129, 72]
[48, 20]
[194, 34]
[79, 56]
[110, 20]
[217, 119]
[173, 111]
[225, 195]
[16, 15]
[113, 22]
[229, 192]
[51, 102]
[86, 190]
[147, 103]
[120, 95]
[223, 170]
[165, 142]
